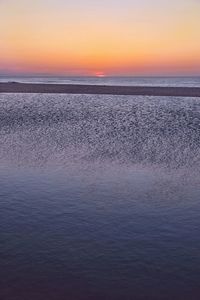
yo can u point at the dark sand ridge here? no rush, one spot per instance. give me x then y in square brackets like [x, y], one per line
[14, 87]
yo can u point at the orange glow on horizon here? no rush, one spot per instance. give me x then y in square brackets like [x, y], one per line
[70, 41]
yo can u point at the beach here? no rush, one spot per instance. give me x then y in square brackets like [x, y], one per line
[15, 87]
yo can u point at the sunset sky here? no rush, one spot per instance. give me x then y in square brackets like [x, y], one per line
[91, 37]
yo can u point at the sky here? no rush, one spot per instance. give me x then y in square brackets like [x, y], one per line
[100, 37]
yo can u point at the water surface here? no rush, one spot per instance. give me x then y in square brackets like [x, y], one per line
[109, 80]
[99, 197]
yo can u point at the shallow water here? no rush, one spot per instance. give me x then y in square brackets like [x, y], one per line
[100, 197]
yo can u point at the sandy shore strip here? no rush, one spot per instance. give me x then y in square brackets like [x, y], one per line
[14, 87]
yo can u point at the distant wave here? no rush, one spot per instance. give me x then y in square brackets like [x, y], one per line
[125, 81]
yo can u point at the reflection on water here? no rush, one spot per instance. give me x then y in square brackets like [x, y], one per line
[99, 197]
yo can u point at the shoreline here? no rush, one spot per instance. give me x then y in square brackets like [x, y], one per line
[14, 87]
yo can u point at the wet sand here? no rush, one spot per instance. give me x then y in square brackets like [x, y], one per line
[14, 87]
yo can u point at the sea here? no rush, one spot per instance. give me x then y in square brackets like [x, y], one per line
[192, 81]
[100, 194]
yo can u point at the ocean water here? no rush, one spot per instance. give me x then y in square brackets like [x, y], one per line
[99, 197]
[108, 80]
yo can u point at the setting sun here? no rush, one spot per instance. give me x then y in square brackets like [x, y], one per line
[100, 74]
